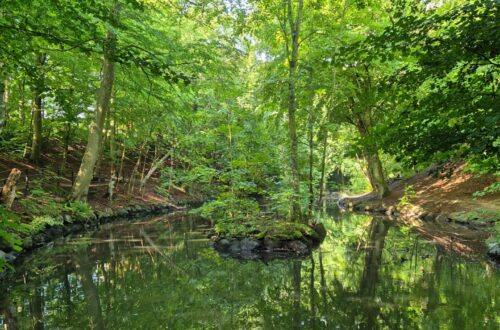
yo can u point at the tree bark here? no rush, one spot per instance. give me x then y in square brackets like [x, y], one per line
[376, 173]
[293, 57]
[84, 176]
[37, 111]
[9, 188]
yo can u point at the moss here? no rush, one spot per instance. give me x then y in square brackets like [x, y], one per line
[262, 228]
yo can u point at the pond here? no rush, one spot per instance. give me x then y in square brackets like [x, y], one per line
[161, 273]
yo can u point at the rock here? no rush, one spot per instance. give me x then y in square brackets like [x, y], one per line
[8, 257]
[429, 217]
[298, 247]
[27, 243]
[271, 244]
[235, 246]
[76, 227]
[223, 244]
[121, 212]
[494, 251]
[320, 230]
[441, 218]
[249, 244]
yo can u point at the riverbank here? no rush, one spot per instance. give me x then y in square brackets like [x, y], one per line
[442, 201]
[64, 225]
[41, 211]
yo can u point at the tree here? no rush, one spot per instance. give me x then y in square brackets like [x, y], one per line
[85, 173]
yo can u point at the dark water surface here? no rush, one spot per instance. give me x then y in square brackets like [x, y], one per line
[162, 274]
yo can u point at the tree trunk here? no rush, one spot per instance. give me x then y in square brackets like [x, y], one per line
[4, 104]
[323, 169]
[311, 163]
[9, 188]
[151, 171]
[37, 114]
[84, 177]
[376, 173]
[292, 107]
[122, 161]
[67, 136]
[135, 170]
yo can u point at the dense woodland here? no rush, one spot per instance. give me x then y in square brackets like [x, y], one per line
[252, 105]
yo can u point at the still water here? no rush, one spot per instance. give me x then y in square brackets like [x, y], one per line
[161, 273]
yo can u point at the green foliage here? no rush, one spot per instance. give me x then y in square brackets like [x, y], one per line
[227, 207]
[10, 230]
[79, 209]
[39, 223]
[41, 203]
[491, 189]
[408, 195]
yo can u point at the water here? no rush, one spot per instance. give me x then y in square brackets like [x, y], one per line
[163, 274]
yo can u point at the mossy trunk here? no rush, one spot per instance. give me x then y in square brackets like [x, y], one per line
[84, 176]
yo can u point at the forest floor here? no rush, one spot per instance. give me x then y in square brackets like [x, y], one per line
[440, 206]
[55, 184]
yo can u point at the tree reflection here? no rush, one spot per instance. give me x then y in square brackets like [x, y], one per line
[84, 269]
[373, 259]
[149, 276]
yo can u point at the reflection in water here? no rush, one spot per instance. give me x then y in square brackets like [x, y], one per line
[159, 274]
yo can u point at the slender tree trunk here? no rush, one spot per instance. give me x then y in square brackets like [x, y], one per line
[311, 162]
[122, 160]
[135, 170]
[293, 57]
[152, 170]
[84, 177]
[37, 112]
[4, 104]
[67, 136]
[323, 168]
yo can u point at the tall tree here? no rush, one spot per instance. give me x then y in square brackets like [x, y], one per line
[85, 173]
[37, 109]
[292, 54]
